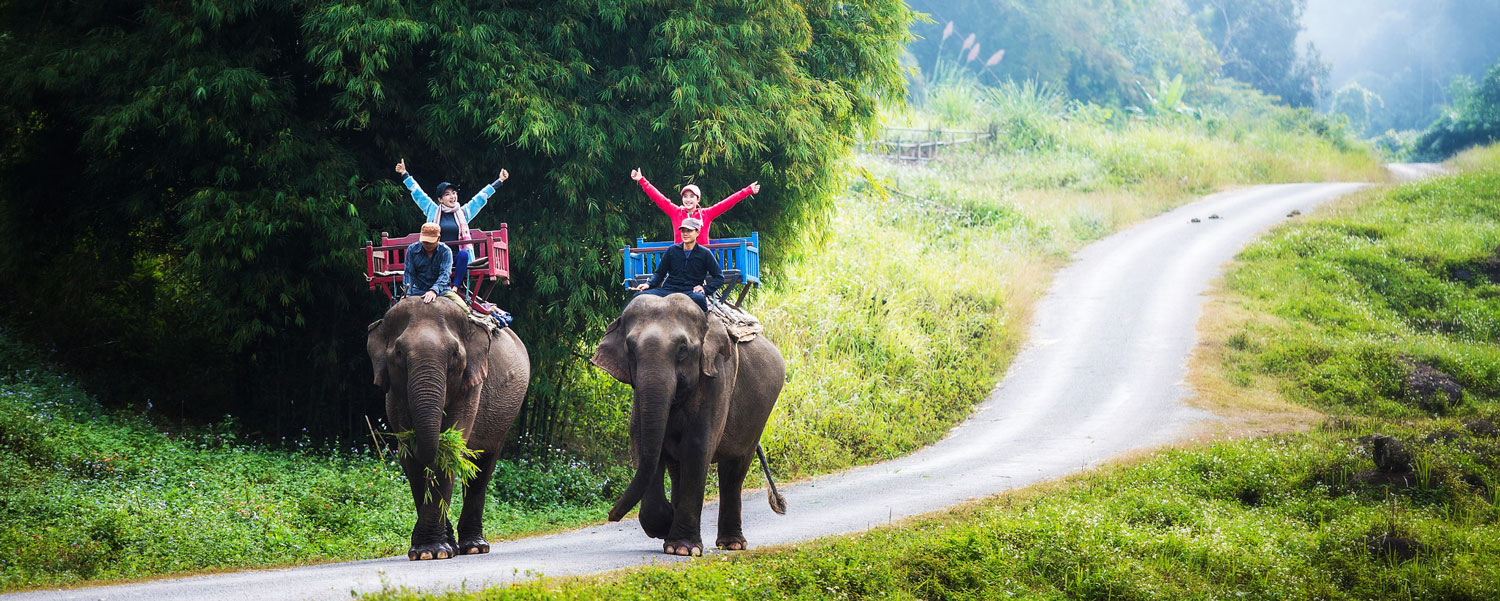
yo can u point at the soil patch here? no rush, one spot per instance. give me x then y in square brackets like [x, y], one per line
[1486, 268]
[1482, 427]
[1429, 388]
[1394, 547]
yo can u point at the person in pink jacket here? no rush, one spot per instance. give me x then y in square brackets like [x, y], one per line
[691, 195]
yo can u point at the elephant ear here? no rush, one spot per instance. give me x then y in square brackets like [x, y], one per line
[477, 349]
[610, 354]
[378, 347]
[716, 347]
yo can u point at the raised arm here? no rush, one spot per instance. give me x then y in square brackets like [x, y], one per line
[651, 192]
[424, 203]
[728, 203]
[472, 207]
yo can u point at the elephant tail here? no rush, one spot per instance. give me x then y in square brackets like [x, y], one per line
[778, 502]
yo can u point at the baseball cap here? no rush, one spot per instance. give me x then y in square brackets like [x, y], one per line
[443, 188]
[691, 224]
[694, 189]
[431, 232]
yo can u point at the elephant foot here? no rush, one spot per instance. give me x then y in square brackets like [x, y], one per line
[440, 550]
[732, 543]
[477, 546]
[684, 548]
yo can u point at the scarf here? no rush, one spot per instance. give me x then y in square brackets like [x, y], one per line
[458, 215]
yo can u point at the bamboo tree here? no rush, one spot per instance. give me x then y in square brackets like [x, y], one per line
[249, 144]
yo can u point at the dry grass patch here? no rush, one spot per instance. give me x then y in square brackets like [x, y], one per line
[1247, 405]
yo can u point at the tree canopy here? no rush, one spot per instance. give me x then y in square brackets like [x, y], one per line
[191, 180]
[1472, 119]
[1257, 40]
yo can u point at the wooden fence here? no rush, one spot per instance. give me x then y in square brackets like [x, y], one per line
[917, 144]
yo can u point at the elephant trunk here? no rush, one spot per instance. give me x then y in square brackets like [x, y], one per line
[653, 400]
[426, 391]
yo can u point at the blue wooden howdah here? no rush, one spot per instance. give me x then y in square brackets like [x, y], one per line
[739, 259]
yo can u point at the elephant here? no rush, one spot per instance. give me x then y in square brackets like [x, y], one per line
[441, 370]
[698, 399]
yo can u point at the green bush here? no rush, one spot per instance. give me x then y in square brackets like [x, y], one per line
[548, 477]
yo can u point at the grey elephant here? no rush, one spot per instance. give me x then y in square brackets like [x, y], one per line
[699, 399]
[439, 371]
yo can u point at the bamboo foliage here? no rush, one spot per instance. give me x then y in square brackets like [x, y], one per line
[253, 140]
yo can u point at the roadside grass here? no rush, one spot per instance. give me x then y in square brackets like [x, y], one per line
[1368, 311]
[92, 496]
[1276, 518]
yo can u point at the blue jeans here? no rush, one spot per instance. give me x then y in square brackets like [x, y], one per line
[697, 297]
[460, 269]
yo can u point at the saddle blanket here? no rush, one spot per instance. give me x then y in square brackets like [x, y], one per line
[742, 326]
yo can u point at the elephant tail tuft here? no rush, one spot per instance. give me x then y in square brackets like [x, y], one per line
[778, 502]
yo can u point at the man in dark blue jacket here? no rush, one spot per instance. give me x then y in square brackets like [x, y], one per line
[429, 265]
[686, 268]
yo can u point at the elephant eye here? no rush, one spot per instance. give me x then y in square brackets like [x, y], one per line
[682, 353]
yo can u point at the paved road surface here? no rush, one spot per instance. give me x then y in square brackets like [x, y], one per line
[1406, 172]
[1101, 375]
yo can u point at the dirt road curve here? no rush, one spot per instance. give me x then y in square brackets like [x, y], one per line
[1405, 172]
[1102, 375]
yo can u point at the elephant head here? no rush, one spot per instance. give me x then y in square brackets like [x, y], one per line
[671, 355]
[431, 361]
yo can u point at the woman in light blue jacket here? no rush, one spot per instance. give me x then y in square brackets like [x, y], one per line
[454, 218]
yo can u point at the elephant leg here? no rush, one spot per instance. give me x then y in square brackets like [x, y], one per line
[731, 481]
[656, 513]
[471, 520]
[431, 536]
[685, 537]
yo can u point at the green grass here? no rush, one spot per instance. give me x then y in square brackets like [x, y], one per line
[88, 495]
[1265, 519]
[1297, 515]
[1380, 287]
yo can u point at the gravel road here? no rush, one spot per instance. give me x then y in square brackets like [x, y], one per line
[1101, 375]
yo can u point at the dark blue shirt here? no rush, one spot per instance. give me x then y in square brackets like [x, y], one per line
[449, 223]
[680, 270]
[423, 273]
